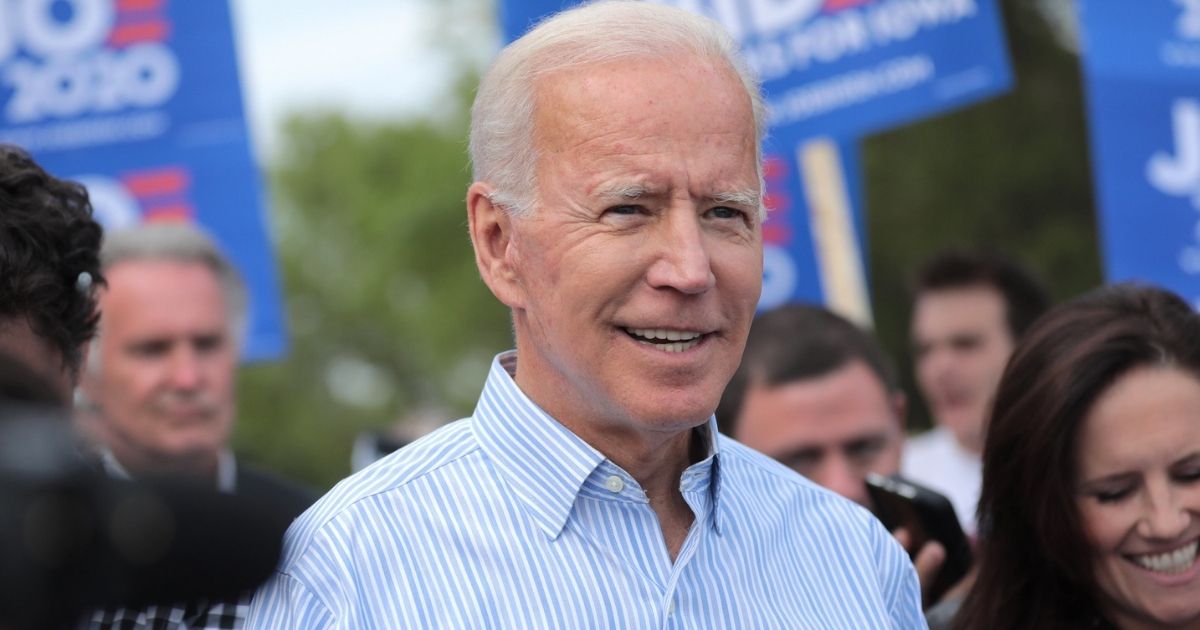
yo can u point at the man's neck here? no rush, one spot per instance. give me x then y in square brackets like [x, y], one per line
[207, 468]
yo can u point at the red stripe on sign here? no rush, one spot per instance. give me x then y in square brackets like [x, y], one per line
[156, 183]
[777, 202]
[168, 213]
[139, 5]
[838, 5]
[132, 33]
[777, 234]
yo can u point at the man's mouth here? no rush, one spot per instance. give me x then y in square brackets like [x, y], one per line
[667, 339]
[1171, 562]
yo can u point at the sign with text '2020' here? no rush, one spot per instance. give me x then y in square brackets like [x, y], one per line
[140, 101]
[1142, 70]
[844, 68]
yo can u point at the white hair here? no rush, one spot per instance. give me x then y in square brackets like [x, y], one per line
[175, 242]
[502, 147]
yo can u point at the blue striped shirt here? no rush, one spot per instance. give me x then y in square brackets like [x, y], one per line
[507, 519]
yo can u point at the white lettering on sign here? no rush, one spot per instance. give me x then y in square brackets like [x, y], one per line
[830, 38]
[1188, 24]
[112, 204]
[44, 35]
[68, 71]
[143, 75]
[779, 277]
[1179, 174]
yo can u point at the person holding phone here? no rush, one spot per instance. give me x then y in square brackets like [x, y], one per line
[817, 393]
[1090, 507]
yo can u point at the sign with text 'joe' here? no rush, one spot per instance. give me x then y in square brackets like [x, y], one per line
[1142, 70]
[140, 101]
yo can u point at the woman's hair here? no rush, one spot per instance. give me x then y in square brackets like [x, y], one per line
[1035, 568]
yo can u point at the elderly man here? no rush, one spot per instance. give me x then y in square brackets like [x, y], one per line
[616, 211]
[159, 383]
[158, 389]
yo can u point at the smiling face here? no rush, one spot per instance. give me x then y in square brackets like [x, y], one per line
[1139, 497]
[961, 342]
[635, 279]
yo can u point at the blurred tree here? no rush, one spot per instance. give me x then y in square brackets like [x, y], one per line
[386, 308]
[1011, 174]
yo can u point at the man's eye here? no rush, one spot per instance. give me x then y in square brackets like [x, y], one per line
[625, 210]
[725, 212]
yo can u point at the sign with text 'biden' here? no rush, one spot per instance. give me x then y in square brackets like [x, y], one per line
[140, 101]
[1142, 69]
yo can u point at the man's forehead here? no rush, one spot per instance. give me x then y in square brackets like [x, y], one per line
[972, 307]
[152, 292]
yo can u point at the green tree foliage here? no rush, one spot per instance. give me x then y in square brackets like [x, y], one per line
[386, 308]
[1011, 174]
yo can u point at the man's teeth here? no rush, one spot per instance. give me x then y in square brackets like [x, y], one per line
[1176, 561]
[677, 340]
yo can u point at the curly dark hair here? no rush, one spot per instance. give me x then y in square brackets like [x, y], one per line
[48, 239]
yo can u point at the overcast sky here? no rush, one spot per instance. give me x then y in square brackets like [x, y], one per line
[370, 58]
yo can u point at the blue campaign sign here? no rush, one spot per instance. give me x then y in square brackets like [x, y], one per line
[140, 100]
[814, 244]
[1142, 70]
[845, 68]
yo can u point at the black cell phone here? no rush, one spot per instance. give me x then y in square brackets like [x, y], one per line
[927, 515]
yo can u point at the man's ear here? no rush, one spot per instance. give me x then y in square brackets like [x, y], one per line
[491, 235]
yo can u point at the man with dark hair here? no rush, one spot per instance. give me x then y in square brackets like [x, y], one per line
[817, 393]
[970, 309]
[49, 268]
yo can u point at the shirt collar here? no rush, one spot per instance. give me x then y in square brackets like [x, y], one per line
[541, 461]
[226, 468]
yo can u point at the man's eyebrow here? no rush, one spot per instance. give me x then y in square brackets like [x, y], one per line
[624, 191]
[749, 198]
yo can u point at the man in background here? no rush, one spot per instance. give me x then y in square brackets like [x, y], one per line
[159, 382]
[815, 392]
[969, 310]
[818, 394]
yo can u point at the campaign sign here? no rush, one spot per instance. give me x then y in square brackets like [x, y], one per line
[140, 101]
[814, 244]
[1142, 70]
[844, 68]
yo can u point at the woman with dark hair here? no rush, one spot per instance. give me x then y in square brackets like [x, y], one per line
[1090, 508]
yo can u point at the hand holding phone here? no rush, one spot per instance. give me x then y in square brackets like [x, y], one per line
[925, 516]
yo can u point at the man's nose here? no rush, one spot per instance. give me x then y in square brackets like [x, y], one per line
[683, 261]
[1165, 517]
[184, 368]
[839, 475]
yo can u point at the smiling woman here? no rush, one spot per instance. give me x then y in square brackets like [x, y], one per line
[1090, 510]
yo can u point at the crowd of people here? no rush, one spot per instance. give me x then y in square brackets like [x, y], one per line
[651, 453]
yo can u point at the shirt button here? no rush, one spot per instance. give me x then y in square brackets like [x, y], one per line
[614, 484]
[671, 607]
